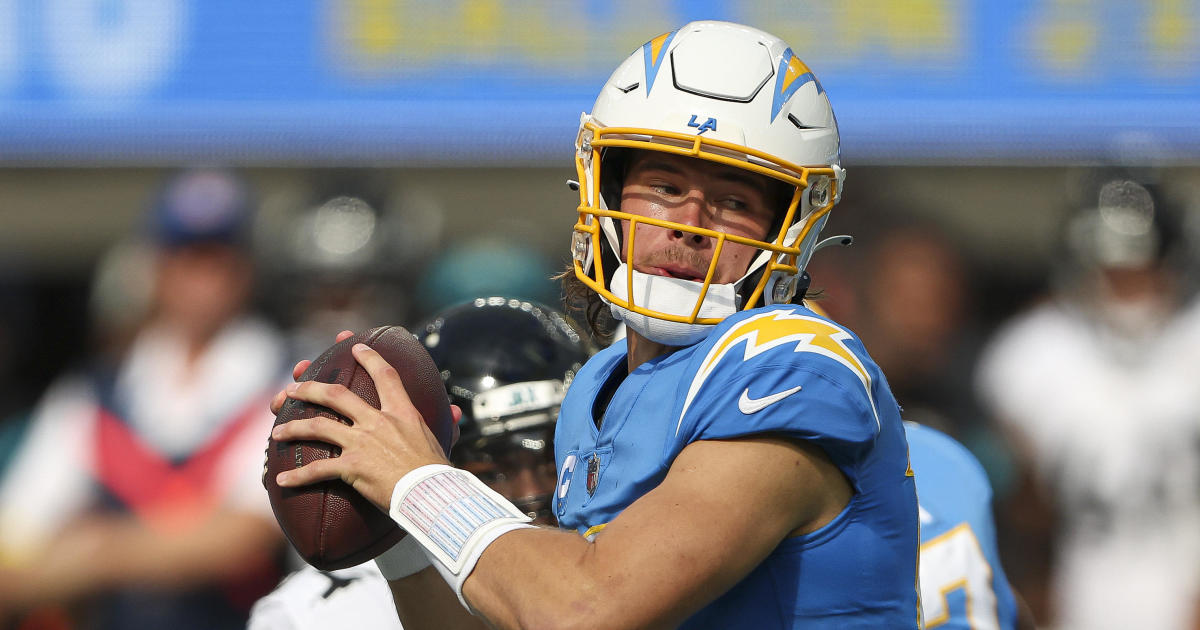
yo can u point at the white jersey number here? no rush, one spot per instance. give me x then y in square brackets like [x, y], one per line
[953, 561]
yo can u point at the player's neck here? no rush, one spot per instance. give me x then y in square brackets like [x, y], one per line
[641, 349]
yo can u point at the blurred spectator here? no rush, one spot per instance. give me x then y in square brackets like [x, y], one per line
[1097, 386]
[926, 352]
[135, 501]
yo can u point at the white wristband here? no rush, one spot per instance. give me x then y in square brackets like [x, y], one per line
[454, 516]
[402, 560]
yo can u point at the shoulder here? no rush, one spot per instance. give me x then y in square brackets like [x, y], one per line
[1035, 333]
[576, 410]
[1184, 328]
[781, 368]
[61, 419]
[55, 457]
[937, 455]
[952, 485]
[789, 334]
[251, 337]
[1030, 358]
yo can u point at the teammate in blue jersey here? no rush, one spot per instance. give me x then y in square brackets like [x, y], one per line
[963, 586]
[739, 461]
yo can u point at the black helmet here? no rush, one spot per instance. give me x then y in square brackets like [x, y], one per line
[507, 364]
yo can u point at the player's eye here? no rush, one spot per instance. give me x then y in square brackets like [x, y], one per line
[734, 203]
[665, 189]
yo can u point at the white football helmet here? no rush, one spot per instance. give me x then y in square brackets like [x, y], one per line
[729, 94]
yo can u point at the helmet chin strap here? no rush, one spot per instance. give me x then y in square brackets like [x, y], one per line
[670, 295]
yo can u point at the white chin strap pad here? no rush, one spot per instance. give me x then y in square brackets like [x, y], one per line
[673, 296]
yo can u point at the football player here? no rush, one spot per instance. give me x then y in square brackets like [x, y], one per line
[739, 461]
[963, 586]
[1096, 388]
[506, 363]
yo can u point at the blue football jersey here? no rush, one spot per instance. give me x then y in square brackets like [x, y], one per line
[963, 586]
[781, 370]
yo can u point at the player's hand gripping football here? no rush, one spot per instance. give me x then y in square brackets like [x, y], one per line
[380, 447]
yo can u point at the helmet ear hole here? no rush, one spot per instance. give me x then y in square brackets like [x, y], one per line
[747, 286]
[609, 259]
[614, 165]
[780, 195]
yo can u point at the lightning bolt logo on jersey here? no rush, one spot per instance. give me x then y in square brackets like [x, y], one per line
[777, 328]
[781, 370]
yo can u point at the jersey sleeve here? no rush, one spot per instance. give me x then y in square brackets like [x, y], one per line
[798, 375]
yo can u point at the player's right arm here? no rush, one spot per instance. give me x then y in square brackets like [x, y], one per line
[670, 553]
[659, 562]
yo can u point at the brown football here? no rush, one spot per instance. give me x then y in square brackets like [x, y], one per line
[330, 524]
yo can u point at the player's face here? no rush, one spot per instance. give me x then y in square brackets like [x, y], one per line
[696, 193]
[202, 286]
[525, 476]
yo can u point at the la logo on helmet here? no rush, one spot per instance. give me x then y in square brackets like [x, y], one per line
[708, 125]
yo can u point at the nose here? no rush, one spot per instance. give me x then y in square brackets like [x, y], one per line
[689, 212]
[531, 481]
[530, 485]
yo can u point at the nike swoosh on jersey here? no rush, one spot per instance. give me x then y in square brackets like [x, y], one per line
[749, 405]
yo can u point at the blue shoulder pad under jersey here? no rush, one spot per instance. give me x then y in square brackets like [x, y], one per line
[962, 583]
[782, 370]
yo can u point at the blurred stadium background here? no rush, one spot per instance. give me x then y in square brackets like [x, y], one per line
[417, 151]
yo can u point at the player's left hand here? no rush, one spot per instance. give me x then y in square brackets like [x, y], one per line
[380, 447]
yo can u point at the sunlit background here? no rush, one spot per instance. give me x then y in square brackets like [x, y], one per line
[404, 155]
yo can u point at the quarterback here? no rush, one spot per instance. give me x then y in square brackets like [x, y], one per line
[739, 461]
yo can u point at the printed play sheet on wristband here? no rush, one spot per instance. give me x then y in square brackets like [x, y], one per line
[448, 510]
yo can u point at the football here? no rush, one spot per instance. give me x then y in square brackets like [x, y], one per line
[330, 525]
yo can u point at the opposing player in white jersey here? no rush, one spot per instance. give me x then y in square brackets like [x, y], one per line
[506, 364]
[1098, 386]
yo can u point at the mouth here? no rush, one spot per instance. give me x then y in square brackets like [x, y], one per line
[677, 271]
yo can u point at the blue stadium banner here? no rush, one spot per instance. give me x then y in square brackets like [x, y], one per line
[503, 81]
